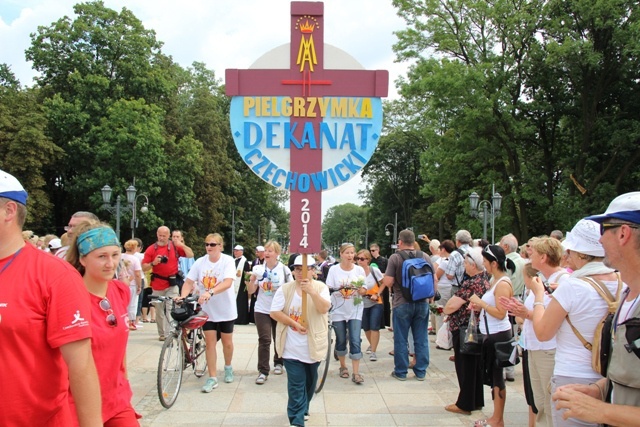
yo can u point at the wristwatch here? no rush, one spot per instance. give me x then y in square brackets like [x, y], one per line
[211, 291]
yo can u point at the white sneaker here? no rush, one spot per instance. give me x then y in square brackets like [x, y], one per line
[373, 357]
[306, 417]
[278, 370]
[369, 350]
[262, 378]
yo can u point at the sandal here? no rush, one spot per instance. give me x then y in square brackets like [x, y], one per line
[152, 321]
[481, 423]
[344, 372]
[357, 378]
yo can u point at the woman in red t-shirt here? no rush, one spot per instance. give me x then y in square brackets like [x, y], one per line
[95, 253]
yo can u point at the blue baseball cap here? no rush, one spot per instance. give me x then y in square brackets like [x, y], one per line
[10, 188]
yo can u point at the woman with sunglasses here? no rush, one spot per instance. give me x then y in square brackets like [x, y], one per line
[495, 325]
[347, 314]
[211, 276]
[372, 303]
[266, 279]
[95, 253]
[577, 301]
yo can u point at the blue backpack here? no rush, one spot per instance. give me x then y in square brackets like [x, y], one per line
[417, 277]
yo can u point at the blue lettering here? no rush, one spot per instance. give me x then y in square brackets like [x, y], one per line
[250, 154]
[303, 183]
[363, 137]
[332, 175]
[319, 180]
[290, 182]
[289, 129]
[247, 134]
[276, 178]
[350, 165]
[348, 137]
[265, 161]
[340, 175]
[308, 136]
[271, 134]
[267, 173]
[325, 132]
[359, 157]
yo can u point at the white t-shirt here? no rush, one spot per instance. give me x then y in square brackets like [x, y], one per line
[295, 346]
[342, 301]
[585, 308]
[528, 338]
[269, 283]
[207, 275]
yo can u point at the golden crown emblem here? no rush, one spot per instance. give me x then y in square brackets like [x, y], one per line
[306, 27]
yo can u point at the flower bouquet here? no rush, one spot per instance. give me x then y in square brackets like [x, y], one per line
[357, 284]
[436, 309]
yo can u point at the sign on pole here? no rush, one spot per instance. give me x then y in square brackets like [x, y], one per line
[308, 127]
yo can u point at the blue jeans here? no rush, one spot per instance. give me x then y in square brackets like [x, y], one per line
[301, 384]
[414, 315]
[353, 325]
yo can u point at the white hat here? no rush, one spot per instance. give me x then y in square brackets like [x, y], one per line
[625, 207]
[238, 248]
[260, 249]
[55, 244]
[10, 188]
[298, 261]
[584, 237]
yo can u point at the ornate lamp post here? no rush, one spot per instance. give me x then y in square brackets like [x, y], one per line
[475, 202]
[394, 245]
[118, 209]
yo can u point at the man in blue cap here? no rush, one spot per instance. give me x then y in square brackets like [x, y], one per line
[44, 329]
[620, 237]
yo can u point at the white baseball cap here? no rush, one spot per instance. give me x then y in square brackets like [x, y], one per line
[10, 188]
[625, 207]
[298, 261]
[584, 237]
[55, 244]
[238, 248]
[260, 249]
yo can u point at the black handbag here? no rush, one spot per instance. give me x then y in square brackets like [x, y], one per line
[506, 352]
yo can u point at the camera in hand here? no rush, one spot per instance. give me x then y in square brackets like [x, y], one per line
[164, 259]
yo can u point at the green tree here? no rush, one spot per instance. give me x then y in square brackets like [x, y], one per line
[344, 223]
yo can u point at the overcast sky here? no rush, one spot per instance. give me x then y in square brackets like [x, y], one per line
[224, 34]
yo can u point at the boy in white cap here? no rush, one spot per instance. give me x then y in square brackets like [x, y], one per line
[45, 296]
[620, 237]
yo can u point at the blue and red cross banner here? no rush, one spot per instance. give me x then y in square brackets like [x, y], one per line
[309, 127]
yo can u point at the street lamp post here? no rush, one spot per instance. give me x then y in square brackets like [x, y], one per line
[134, 212]
[474, 201]
[394, 245]
[118, 209]
[233, 228]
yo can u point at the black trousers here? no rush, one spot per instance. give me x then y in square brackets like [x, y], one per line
[469, 373]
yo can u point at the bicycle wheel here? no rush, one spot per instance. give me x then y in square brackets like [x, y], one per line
[170, 370]
[323, 368]
[198, 349]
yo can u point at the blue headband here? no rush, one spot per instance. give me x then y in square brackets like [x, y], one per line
[96, 238]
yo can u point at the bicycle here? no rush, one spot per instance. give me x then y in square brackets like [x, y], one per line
[184, 347]
[323, 367]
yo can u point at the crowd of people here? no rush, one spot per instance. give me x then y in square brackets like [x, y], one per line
[82, 296]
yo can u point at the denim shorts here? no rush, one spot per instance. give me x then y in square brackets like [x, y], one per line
[372, 317]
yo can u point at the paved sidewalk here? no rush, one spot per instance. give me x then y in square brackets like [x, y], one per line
[380, 401]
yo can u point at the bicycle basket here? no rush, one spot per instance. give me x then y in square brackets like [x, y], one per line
[182, 312]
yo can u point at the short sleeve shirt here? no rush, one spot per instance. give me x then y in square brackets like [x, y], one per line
[456, 264]
[206, 275]
[478, 285]
[394, 269]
